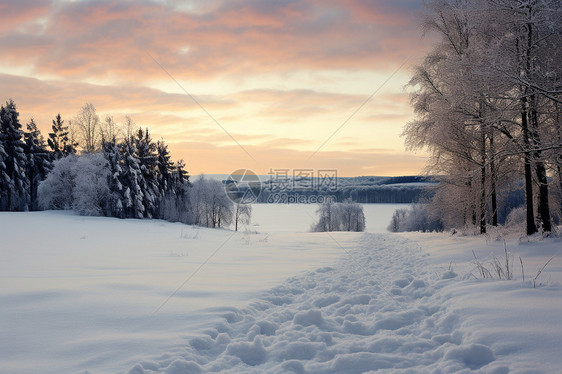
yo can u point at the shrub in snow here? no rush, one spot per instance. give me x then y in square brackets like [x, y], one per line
[346, 216]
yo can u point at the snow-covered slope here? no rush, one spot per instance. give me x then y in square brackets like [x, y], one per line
[99, 295]
[92, 293]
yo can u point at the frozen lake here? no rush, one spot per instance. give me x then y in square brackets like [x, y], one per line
[299, 217]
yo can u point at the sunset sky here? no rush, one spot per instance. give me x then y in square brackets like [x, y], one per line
[279, 76]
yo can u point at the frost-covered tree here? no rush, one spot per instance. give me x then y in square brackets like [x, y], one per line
[417, 218]
[14, 184]
[210, 203]
[57, 190]
[38, 161]
[346, 216]
[327, 217]
[91, 193]
[80, 183]
[352, 216]
[396, 221]
[480, 99]
[242, 214]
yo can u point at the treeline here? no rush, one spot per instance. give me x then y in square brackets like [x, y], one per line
[383, 194]
[488, 100]
[97, 168]
[373, 194]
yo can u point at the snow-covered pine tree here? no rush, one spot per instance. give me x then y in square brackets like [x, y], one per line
[59, 140]
[168, 204]
[115, 206]
[165, 168]
[182, 174]
[181, 187]
[131, 179]
[4, 178]
[14, 187]
[145, 151]
[38, 161]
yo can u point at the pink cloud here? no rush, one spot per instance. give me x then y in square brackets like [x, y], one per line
[16, 14]
[110, 39]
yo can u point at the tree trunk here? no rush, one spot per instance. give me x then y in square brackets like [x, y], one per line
[483, 182]
[493, 180]
[544, 208]
[472, 210]
[531, 226]
[560, 183]
[559, 158]
[526, 68]
[540, 169]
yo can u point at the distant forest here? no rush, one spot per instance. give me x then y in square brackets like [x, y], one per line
[366, 190]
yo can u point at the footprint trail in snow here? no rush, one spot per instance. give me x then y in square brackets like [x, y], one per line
[378, 310]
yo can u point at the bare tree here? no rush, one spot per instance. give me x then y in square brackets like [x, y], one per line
[242, 214]
[88, 129]
[110, 130]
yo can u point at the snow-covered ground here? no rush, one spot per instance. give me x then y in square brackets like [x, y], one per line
[104, 295]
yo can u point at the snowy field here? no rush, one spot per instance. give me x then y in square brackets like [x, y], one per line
[101, 295]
